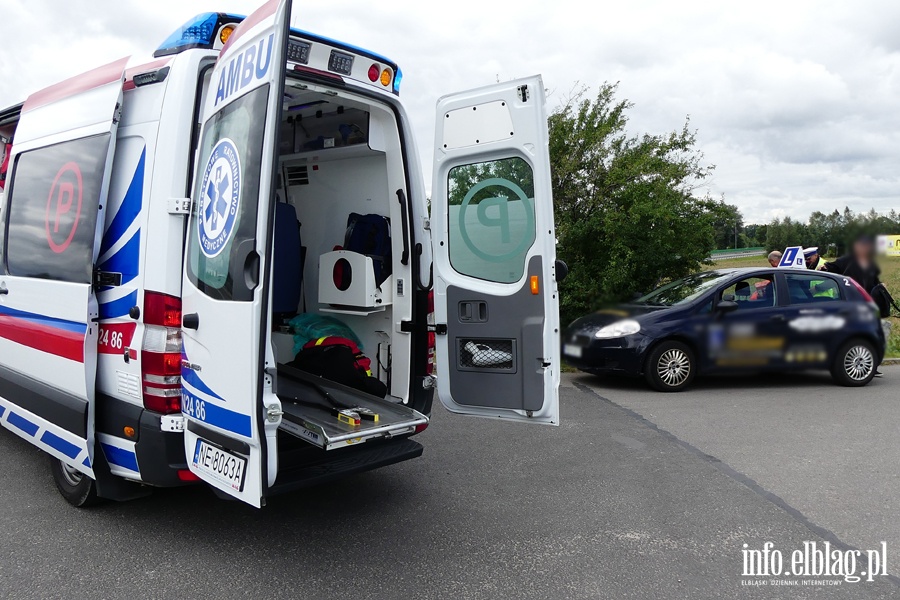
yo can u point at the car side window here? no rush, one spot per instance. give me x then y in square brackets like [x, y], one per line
[809, 288]
[752, 292]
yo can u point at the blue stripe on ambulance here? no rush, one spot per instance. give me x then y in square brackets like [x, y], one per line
[119, 307]
[125, 260]
[60, 445]
[213, 414]
[44, 320]
[129, 209]
[191, 376]
[20, 422]
[120, 457]
[47, 436]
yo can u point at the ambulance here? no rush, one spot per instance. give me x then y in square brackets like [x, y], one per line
[165, 221]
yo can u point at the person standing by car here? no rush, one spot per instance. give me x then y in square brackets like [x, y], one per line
[859, 264]
[775, 257]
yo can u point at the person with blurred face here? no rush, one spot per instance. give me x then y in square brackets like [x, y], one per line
[774, 257]
[859, 264]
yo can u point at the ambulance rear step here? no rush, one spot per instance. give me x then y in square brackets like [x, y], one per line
[307, 403]
[308, 466]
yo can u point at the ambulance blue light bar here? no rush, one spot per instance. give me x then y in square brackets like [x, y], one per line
[210, 30]
[203, 31]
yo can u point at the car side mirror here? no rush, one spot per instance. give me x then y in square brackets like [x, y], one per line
[725, 305]
[562, 270]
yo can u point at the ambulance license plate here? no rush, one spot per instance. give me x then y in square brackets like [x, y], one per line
[572, 350]
[220, 465]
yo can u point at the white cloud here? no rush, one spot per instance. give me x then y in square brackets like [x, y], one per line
[795, 102]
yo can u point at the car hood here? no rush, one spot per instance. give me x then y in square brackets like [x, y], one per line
[591, 323]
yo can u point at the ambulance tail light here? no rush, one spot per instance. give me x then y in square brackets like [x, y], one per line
[161, 353]
[429, 367]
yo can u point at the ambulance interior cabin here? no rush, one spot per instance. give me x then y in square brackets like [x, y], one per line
[338, 240]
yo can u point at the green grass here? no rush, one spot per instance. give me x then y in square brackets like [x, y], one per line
[890, 275]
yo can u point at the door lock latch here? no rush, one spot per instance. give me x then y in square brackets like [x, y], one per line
[273, 413]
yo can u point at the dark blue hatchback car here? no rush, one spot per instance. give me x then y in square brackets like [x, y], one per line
[734, 320]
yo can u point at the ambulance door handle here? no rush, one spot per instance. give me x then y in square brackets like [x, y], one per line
[3, 289]
[190, 321]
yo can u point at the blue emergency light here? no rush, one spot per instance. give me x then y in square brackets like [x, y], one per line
[199, 32]
[398, 77]
[204, 30]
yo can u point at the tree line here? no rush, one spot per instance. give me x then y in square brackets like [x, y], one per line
[831, 232]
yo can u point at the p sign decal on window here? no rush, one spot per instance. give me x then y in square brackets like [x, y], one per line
[491, 218]
[63, 207]
[792, 258]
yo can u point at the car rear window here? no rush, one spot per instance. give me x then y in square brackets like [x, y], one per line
[809, 288]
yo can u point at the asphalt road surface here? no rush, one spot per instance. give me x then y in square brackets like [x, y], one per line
[608, 505]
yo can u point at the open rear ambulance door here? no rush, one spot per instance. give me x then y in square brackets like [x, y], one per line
[496, 304]
[53, 221]
[228, 441]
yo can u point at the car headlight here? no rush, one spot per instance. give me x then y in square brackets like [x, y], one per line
[618, 329]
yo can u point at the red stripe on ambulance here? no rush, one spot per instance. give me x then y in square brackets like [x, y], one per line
[52, 340]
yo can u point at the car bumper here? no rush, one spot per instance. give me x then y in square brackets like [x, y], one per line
[623, 355]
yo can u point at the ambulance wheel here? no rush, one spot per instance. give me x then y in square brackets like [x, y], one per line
[77, 488]
[854, 364]
[670, 367]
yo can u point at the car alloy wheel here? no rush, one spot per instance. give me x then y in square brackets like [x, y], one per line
[859, 362]
[673, 367]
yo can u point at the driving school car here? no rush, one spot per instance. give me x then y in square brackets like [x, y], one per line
[734, 320]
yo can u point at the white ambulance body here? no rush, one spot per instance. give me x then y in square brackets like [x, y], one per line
[163, 221]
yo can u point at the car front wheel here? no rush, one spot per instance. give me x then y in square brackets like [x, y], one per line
[854, 365]
[670, 367]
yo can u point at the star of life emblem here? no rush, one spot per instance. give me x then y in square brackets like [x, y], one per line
[220, 198]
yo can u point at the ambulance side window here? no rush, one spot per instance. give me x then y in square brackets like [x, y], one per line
[491, 221]
[51, 211]
[226, 195]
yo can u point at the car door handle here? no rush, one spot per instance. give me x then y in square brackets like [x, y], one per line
[3, 289]
[777, 318]
[190, 321]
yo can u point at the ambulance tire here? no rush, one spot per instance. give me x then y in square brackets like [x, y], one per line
[78, 489]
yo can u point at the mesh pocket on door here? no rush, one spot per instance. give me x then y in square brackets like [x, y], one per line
[486, 354]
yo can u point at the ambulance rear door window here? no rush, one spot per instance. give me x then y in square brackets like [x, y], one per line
[222, 233]
[54, 198]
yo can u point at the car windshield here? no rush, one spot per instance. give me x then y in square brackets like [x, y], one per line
[684, 290]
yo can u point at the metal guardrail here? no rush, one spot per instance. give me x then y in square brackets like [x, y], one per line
[736, 253]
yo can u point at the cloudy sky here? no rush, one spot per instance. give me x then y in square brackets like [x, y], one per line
[795, 102]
